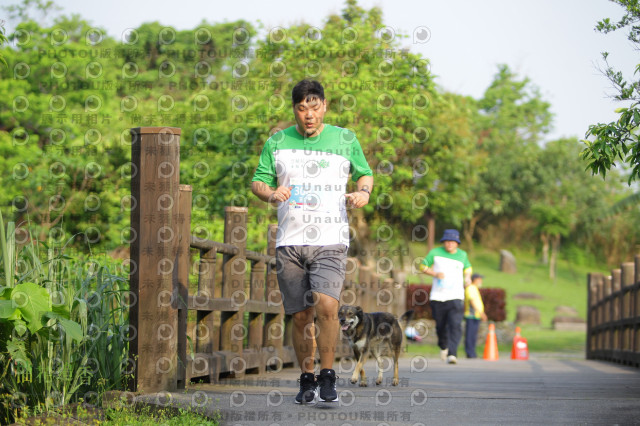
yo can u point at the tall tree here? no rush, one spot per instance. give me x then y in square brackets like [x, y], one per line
[386, 95]
[68, 99]
[511, 121]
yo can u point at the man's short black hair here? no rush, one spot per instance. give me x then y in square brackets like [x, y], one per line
[307, 90]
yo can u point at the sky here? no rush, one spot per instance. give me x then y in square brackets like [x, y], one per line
[552, 42]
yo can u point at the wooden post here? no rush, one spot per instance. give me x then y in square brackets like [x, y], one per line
[181, 290]
[590, 291]
[616, 301]
[431, 231]
[233, 288]
[635, 308]
[599, 311]
[207, 335]
[273, 324]
[257, 292]
[626, 281]
[155, 154]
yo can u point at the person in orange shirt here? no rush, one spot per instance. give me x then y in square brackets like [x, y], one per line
[473, 314]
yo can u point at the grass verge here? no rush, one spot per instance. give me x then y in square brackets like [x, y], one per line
[541, 341]
[147, 417]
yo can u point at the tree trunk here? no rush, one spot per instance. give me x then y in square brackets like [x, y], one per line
[468, 230]
[555, 245]
[431, 229]
[361, 246]
[545, 248]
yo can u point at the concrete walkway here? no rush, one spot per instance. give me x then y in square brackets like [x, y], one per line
[544, 390]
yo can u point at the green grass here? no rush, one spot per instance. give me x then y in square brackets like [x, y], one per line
[568, 289]
[549, 340]
[144, 417]
[539, 340]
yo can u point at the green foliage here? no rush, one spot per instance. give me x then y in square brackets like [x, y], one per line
[71, 93]
[512, 121]
[145, 417]
[3, 40]
[53, 348]
[617, 142]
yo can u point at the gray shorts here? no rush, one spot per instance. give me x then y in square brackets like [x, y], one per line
[304, 270]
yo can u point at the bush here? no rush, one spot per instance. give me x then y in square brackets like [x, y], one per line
[63, 324]
[493, 299]
[418, 300]
[494, 303]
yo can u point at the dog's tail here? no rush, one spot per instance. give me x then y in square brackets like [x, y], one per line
[404, 319]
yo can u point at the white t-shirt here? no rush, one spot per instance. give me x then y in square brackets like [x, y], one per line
[317, 171]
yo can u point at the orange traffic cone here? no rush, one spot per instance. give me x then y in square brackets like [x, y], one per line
[520, 348]
[491, 346]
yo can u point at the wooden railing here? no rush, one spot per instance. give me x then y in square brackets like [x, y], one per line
[613, 315]
[205, 310]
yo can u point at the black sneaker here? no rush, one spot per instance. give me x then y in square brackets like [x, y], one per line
[308, 386]
[327, 384]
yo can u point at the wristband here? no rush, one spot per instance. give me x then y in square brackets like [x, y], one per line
[366, 190]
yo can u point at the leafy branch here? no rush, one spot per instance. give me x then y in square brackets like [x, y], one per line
[618, 141]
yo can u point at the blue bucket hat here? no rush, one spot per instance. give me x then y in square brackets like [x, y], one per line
[450, 235]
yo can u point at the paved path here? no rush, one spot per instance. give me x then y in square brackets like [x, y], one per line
[543, 390]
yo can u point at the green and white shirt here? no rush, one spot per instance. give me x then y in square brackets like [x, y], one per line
[454, 265]
[317, 171]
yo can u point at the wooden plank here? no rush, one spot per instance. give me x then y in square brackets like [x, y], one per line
[259, 257]
[197, 303]
[254, 359]
[204, 244]
[211, 364]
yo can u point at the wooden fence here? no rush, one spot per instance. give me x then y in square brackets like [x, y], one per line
[206, 310]
[613, 315]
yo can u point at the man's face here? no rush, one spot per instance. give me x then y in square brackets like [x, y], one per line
[309, 116]
[450, 246]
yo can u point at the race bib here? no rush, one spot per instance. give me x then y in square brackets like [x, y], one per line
[315, 197]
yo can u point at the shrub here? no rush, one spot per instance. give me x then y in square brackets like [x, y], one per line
[493, 299]
[62, 327]
[494, 303]
[418, 300]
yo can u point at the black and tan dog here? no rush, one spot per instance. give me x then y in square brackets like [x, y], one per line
[378, 333]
